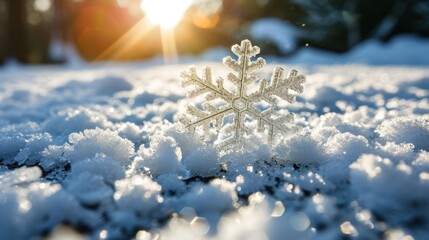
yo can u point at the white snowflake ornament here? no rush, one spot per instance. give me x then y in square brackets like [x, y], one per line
[239, 103]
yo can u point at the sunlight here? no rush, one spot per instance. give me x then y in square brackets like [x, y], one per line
[127, 41]
[165, 13]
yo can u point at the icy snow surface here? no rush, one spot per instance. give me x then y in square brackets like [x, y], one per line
[96, 151]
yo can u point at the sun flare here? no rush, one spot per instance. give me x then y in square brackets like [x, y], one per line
[165, 13]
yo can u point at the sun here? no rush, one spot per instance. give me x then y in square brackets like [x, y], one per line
[165, 13]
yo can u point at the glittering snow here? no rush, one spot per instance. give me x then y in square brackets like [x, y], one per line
[97, 152]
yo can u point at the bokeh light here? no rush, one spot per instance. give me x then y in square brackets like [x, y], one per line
[42, 5]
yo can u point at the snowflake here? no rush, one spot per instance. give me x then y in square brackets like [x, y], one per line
[240, 103]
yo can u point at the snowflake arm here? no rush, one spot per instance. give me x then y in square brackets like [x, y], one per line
[205, 118]
[237, 131]
[273, 125]
[205, 85]
[279, 87]
[209, 113]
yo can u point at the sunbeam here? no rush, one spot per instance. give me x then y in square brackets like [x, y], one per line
[127, 41]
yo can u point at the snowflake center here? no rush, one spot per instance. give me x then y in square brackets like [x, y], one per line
[239, 104]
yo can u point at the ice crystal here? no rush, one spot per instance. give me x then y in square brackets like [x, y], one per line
[240, 103]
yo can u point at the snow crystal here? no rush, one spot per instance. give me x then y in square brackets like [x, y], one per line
[241, 103]
[53, 156]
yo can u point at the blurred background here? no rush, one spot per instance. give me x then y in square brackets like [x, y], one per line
[50, 31]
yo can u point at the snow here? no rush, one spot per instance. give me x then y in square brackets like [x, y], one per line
[90, 142]
[161, 158]
[203, 162]
[406, 130]
[380, 178]
[28, 201]
[97, 152]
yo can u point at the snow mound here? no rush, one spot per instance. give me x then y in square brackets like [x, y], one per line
[203, 162]
[104, 86]
[299, 150]
[380, 179]
[216, 197]
[162, 157]
[91, 142]
[101, 165]
[72, 120]
[21, 144]
[30, 202]
[406, 130]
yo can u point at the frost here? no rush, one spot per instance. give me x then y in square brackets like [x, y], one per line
[241, 103]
